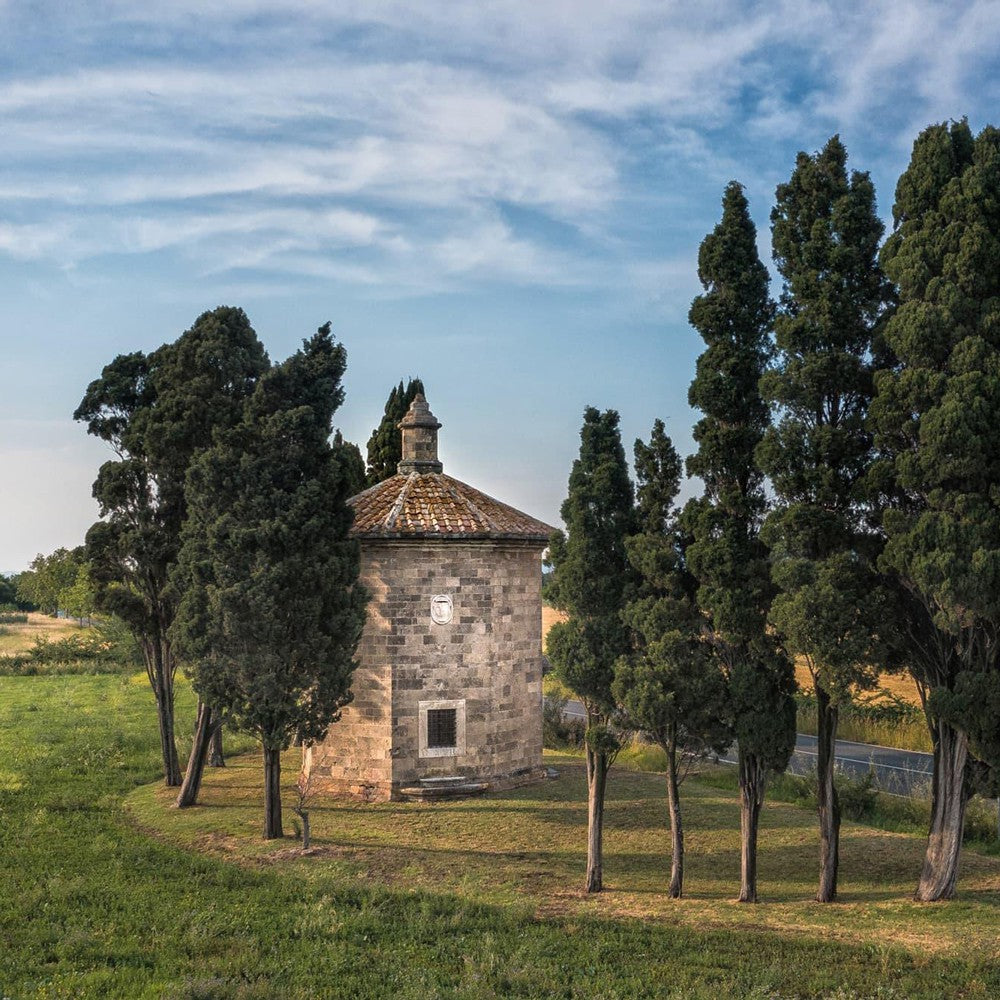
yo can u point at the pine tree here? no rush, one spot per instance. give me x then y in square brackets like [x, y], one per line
[385, 446]
[826, 235]
[734, 317]
[272, 611]
[592, 582]
[936, 415]
[157, 412]
[669, 685]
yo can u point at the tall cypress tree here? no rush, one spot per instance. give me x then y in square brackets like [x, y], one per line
[352, 462]
[669, 685]
[157, 412]
[936, 414]
[272, 612]
[385, 446]
[826, 236]
[726, 556]
[592, 581]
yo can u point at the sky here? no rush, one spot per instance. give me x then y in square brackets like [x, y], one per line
[505, 199]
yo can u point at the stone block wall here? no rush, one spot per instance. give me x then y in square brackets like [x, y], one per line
[485, 662]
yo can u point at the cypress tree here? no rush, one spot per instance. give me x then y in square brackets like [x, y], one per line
[353, 464]
[385, 446]
[272, 612]
[669, 685]
[157, 412]
[592, 582]
[826, 235]
[726, 555]
[936, 415]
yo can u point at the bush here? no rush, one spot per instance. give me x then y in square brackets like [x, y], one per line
[558, 732]
[12, 617]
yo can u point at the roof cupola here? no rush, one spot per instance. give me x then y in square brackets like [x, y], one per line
[420, 439]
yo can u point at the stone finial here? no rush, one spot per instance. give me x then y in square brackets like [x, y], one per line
[420, 438]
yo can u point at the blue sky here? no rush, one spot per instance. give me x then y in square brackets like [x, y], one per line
[503, 198]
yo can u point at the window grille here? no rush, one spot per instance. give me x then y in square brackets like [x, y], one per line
[442, 727]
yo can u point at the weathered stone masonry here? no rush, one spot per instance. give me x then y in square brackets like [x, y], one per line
[474, 660]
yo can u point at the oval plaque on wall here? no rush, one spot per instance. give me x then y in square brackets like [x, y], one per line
[441, 609]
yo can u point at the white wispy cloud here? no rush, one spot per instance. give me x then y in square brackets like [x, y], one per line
[433, 118]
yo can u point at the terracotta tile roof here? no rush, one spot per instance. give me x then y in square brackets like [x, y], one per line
[433, 505]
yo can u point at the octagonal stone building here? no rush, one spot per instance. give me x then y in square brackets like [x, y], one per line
[448, 689]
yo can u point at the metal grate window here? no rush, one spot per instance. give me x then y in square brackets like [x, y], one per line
[442, 727]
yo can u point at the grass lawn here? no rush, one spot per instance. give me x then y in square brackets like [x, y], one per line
[107, 892]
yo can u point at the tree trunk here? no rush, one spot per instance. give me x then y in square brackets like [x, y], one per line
[216, 758]
[196, 762]
[597, 775]
[948, 800]
[828, 805]
[752, 786]
[303, 815]
[272, 794]
[676, 830]
[160, 676]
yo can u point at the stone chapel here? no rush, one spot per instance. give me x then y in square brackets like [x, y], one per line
[448, 688]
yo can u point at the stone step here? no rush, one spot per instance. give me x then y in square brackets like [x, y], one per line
[444, 788]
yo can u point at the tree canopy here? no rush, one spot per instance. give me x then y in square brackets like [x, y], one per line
[936, 415]
[157, 412]
[826, 235]
[271, 610]
[385, 446]
[725, 553]
[669, 684]
[592, 580]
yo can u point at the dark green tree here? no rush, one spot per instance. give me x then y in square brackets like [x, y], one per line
[8, 590]
[271, 610]
[157, 411]
[669, 685]
[936, 415]
[826, 236]
[726, 555]
[592, 581]
[385, 446]
[352, 462]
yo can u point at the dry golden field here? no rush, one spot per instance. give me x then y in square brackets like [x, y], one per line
[900, 685]
[17, 638]
[549, 617]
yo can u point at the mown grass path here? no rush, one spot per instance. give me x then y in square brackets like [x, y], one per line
[93, 906]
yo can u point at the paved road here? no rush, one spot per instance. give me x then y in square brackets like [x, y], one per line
[903, 772]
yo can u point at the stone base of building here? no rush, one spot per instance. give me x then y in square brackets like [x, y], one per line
[342, 788]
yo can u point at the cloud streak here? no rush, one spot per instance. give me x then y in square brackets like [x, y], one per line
[408, 129]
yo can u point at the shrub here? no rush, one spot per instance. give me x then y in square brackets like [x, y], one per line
[558, 732]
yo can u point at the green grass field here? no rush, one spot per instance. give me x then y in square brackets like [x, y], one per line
[107, 892]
